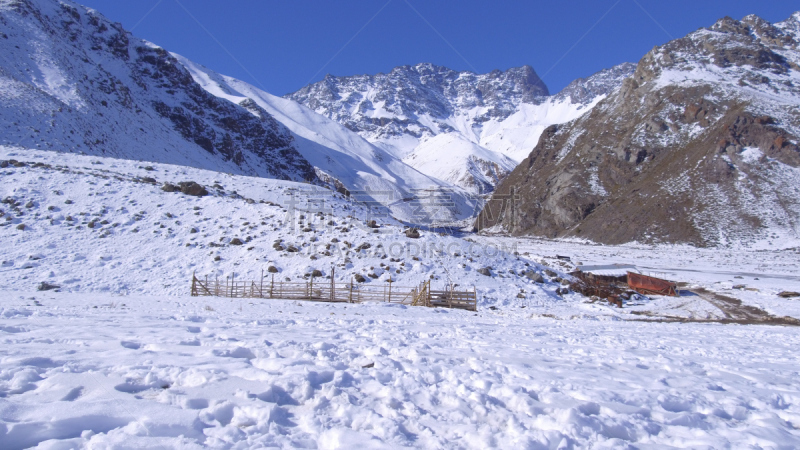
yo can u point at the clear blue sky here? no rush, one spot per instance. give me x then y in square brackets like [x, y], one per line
[281, 46]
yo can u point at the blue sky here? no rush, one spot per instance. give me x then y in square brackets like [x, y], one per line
[281, 46]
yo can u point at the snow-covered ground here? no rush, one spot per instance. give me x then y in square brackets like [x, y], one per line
[102, 225]
[107, 371]
[752, 275]
[122, 357]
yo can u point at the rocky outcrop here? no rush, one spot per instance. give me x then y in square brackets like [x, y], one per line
[385, 105]
[699, 146]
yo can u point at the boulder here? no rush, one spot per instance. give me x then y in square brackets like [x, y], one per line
[45, 286]
[192, 188]
[534, 276]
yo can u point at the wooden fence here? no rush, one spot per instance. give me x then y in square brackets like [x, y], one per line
[330, 291]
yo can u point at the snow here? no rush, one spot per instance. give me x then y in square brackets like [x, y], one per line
[517, 135]
[93, 370]
[451, 158]
[751, 155]
[760, 271]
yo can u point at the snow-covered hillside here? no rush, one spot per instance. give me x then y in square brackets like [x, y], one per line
[491, 117]
[99, 224]
[451, 158]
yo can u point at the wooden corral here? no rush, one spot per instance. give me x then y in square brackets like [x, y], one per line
[614, 287]
[330, 291]
[610, 288]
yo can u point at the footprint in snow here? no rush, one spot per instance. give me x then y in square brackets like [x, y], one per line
[238, 352]
[40, 361]
[131, 345]
[195, 403]
[73, 394]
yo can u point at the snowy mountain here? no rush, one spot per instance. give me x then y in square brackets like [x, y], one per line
[72, 81]
[341, 157]
[699, 146]
[491, 120]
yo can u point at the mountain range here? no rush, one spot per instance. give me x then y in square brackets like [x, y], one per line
[468, 129]
[697, 143]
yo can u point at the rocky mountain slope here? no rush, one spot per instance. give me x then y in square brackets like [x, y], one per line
[698, 146]
[490, 120]
[72, 81]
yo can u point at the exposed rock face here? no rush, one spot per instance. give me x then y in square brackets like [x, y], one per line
[699, 146]
[70, 80]
[586, 90]
[385, 105]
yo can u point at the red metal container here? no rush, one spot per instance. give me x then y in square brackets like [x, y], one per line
[644, 284]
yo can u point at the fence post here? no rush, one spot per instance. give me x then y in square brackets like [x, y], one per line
[350, 299]
[429, 295]
[311, 288]
[333, 284]
[261, 289]
[272, 285]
